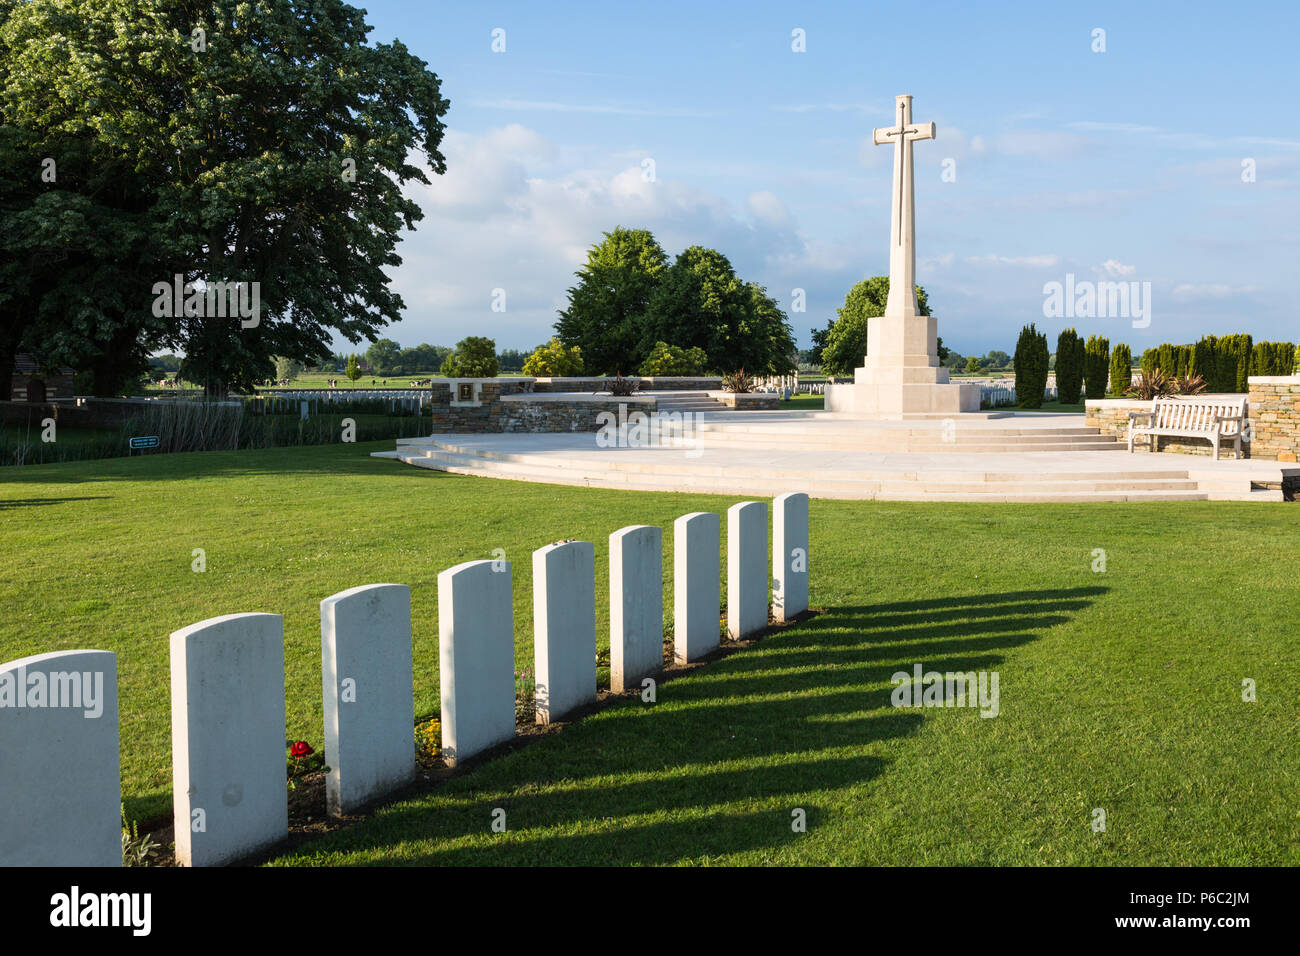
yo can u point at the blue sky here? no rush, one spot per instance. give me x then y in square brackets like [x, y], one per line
[1122, 165]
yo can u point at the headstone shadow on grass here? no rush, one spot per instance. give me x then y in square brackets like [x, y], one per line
[676, 780]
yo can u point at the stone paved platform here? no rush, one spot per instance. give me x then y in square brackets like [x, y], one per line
[986, 458]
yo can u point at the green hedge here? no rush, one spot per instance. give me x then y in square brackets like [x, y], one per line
[1273, 358]
[1173, 360]
[1224, 361]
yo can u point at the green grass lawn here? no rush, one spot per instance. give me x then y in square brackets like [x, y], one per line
[1119, 690]
[804, 403]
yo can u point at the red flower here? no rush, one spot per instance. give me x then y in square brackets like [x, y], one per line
[301, 748]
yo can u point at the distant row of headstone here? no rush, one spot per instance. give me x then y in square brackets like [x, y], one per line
[60, 790]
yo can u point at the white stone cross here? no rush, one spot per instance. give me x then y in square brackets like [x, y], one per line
[902, 246]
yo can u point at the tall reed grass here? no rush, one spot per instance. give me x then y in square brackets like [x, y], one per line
[213, 426]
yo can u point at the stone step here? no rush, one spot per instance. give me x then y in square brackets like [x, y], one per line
[677, 461]
[898, 448]
[812, 430]
[677, 474]
[856, 490]
[693, 407]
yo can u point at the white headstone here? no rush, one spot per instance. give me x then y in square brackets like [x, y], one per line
[746, 568]
[636, 606]
[789, 556]
[564, 628]
[476, 658]
[60, 781]
[366, 680]
[697, 592]
[228, 754]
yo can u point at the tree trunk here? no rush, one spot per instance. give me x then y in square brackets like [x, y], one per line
[10, 338]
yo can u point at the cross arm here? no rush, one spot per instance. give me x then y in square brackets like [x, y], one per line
[913, 131]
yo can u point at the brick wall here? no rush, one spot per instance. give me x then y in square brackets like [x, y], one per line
[1275, 417]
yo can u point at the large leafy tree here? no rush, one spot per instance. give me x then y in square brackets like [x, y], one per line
[382, 355]
[701, 303]
[844, 340]
[475, 357]
[74, 235]
[608, 305]
[225, 142]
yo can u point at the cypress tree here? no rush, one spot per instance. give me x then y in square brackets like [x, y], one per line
[1121, 369]
[1096, 366]
[1069, 367]
[1031, 362]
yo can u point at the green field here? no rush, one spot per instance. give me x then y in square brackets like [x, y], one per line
[1119, 690]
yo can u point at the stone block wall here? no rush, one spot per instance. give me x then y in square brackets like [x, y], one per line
[664, 383]
[528, 414]
[1273, 405]
[752, 400]
[506, 406]
[1275, 416]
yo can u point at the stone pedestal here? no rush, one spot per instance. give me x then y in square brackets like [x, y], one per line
[901, 377]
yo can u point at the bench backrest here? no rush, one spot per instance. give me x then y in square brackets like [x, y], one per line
[1197, 414]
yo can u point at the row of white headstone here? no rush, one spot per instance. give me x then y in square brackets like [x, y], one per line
[60, 787]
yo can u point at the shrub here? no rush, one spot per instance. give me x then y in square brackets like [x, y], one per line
[1150, 385]
[1096, 366]
[665, 359]
[554, 359]
[619, 386]
[1121, 369]
[737, 381]
[1069, 366]
[1186, 385]
[1031, 367]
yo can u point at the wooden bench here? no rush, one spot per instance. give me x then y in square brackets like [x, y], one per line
[1191, 417]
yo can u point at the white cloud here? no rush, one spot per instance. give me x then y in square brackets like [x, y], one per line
[509, 214]
[1113, 127]
[1210, 290]
[551, 106]
[766, 207]
[954, 141]
[1043, 143]
[1031, 262]
[1114, 268]
[832, 107]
